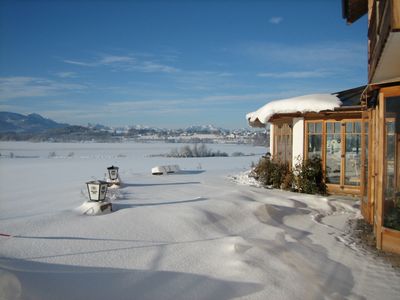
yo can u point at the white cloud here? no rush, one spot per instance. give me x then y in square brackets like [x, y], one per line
[149, 67]
[296, 74]
[79, 63]
[188, 102]
[225, 74]
[142, 105]
[125, 63]
[112, 59]
[18, 87]
[321, 55]
[66, 74]
[275, 20]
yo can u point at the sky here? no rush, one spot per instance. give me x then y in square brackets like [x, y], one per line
[175, 63]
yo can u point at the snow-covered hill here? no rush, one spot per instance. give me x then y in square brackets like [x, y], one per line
[32, 123]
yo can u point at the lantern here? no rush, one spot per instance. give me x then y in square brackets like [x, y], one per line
[97, 190]
[113, 173]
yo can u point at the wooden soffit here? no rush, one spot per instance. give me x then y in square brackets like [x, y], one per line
[352, 10]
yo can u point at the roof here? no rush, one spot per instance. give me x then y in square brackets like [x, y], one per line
[352, 10]
[303, 104]
[351, 97]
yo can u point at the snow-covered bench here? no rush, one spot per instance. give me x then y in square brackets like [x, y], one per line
[162, 170]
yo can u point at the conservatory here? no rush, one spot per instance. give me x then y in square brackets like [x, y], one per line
[380, 203]
[356, 133]
[330, 126]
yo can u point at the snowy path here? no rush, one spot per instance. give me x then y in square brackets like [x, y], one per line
[197, 235]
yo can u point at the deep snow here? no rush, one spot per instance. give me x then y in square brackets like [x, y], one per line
[303, 104]
[206, 233]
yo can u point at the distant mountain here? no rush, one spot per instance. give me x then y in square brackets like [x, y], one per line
[98, 127]
[32, 123]
[34, 127]
[204, 129]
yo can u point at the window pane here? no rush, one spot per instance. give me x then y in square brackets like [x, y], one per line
[390, 155]
[333, 158]
[352, 159]
[310, 127]
[314, 145]
[318, 127]
[392, 164]
[349, 127]
[337, 127]
[365, 192]
[284, 143]
[329, 127]
[390, 127]
[357, 127]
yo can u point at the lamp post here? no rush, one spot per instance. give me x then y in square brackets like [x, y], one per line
[97, 190]
[113, 175]
[97, 203]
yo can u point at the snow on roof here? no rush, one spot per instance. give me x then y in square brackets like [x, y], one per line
[302, 104]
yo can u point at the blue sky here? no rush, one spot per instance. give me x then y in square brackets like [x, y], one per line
[172, 63]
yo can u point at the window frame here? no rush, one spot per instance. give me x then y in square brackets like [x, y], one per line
[344, 119]
[281, 145]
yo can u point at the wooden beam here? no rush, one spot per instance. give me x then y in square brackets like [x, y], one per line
[379, 178]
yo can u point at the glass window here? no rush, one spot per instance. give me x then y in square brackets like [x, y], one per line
[357, 127]
[365, 191]
[340, 143]
[329, 127]
[392, 164]
[318, 127]
[310, 127]
[337, 127]
[314, 139]
[333, 152]
[353, 153]
[283, 142]
[349, 127]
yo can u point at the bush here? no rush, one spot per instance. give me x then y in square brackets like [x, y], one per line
[271, 172]
[236, 154]
[287, 183]
[195, 151]
[309, 177]
[306, 177]
[392, 219]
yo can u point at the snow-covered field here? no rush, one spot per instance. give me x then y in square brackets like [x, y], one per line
[205, 233]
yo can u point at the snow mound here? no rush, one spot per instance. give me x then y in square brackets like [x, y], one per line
[302, 104]
[113, 185]
[244, 178]
[162, 170]
[94, 208]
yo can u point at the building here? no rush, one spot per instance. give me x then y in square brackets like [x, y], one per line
[380, 203]
[355, 132]
[328, 125]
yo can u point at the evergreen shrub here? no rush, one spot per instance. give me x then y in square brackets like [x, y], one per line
[270, 172]
[306, 177]
[309, 177]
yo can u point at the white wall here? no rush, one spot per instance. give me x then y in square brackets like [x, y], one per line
[271, 139]
[298, 140]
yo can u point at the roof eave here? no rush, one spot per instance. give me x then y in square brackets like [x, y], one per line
[352, 10]
[256, 123]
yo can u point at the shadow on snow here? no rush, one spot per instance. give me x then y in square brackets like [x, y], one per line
[34, 280]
